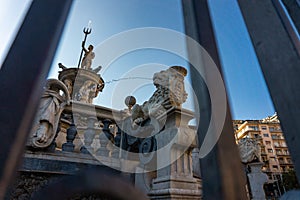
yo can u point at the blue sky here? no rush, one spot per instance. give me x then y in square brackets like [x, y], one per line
[246, 88]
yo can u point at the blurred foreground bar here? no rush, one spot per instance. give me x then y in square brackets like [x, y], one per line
[22, 77]
[277, 50]
[221, 169]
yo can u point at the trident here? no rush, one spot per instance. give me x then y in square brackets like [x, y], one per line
[86, 31]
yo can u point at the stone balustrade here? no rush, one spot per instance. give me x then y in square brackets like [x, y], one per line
[90, 129]
[85, 132]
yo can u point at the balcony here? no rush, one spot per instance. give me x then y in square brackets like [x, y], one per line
[277, 137]
[276, 145]
[93, 141]
[282, 154]
[276, 130]
[263, 153]
[285, 163]
[248, 130]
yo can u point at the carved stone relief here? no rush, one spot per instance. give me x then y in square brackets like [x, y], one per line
[250, 150]
[47, 119]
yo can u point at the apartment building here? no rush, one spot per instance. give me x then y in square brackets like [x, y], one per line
[274, 151]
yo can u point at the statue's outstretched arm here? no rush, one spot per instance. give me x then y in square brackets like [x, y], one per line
[84, 49]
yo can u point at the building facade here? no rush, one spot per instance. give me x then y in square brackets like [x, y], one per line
[274, 150]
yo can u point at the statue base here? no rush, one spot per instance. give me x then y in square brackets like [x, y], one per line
[257, 179]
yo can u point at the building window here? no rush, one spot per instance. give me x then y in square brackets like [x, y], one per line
[283, 144]
[268, 142]
[278, 152]
[275, 167]
[266, 135]
[275, 136]
[272, 128]
[236, 127]
[263, 128]
[255, 128]
[273, 159]
[281, 161]
[270, 176]
[270, 150]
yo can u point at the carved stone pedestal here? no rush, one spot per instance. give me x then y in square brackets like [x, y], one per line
[83, 85]
[257, 179]
[175, 144]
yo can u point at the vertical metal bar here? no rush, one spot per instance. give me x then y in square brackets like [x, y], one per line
[22, 76]
[279, 61]
[221, 169]
[292, 7]
[288, 22]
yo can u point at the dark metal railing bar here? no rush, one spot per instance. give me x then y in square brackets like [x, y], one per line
[22, 77]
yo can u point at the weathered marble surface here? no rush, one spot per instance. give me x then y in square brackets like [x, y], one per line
[257, 179]
[170, 92]
[26, 184]
[87, 92]
[47, 118]
[89, 55]
[83, 84]
[250, 150]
